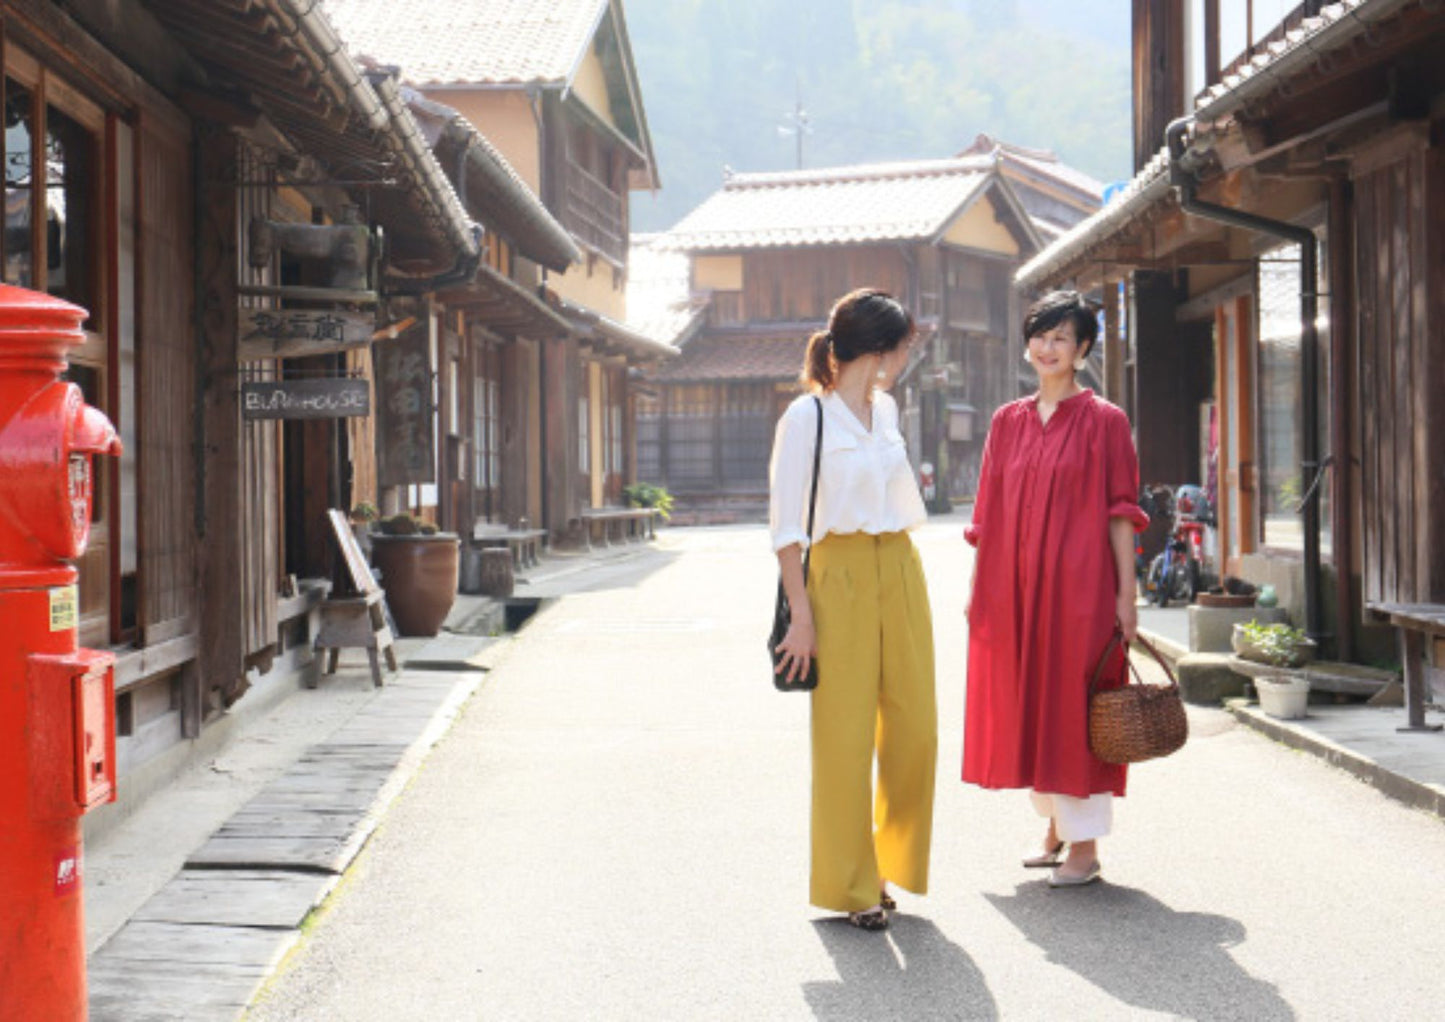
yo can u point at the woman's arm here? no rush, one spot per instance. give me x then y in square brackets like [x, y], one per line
[1121, 539]
[800, 645]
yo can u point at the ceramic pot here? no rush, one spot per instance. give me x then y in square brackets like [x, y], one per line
[419, 576]
[1282, 696]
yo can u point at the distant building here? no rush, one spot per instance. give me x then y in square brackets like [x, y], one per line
[769, 253]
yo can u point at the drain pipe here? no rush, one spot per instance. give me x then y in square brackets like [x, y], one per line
[1182, 168]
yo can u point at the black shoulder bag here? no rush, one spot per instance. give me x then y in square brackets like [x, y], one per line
[782, 613]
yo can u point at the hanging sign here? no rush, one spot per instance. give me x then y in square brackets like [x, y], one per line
[285, 333]
[404, 445]
[306, 399]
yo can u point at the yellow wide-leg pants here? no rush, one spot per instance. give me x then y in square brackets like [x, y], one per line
[875, 694]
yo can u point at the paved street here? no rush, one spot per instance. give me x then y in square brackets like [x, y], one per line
[616, 828]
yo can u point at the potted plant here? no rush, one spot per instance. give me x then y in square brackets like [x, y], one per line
[649, 495]
[419, 568]
[1283, 690]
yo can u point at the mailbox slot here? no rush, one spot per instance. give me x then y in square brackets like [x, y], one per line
[72, 714]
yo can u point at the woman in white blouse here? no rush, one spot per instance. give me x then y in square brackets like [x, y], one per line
[863, 612]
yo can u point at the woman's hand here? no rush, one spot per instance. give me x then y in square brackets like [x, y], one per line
[1127, 611]
[798, 648]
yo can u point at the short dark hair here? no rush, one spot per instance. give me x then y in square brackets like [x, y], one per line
[1057, 306]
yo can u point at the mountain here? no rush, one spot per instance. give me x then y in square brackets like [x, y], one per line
[880, 80]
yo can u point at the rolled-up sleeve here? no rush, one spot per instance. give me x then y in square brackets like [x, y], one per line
[1123, 473]
[789, 479]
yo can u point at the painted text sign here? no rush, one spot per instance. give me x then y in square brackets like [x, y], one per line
[306, 399]
[404, 445]
[281, 333]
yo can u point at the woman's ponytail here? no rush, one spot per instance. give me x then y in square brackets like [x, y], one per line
[818, 363]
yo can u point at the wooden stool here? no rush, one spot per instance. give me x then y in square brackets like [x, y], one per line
[497, 576]
[356, 623]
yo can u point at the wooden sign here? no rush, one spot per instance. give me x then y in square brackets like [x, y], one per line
[287, 333]
[306, 399]
[405, 451]
[362, 580]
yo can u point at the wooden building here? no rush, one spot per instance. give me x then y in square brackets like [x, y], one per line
[769, 255]
[553, 87]
[1280, 263]
[250, 214]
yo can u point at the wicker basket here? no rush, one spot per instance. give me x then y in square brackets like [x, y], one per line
[1135, 722]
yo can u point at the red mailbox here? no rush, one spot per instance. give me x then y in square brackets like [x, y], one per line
[57, 726]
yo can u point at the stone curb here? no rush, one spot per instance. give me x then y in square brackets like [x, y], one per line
[1418, 794]
[199, 956]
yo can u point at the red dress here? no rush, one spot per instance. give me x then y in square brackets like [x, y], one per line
[1044, 592]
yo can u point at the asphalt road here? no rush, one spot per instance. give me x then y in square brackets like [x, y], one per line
[617, 829]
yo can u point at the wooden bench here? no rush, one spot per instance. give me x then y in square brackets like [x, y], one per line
[623, 523]
[525, 544]
[1414, 621]
[355, 622]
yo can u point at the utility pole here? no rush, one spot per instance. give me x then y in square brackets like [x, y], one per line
[797, 122]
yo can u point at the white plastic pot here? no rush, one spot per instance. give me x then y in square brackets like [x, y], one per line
[1283, 698]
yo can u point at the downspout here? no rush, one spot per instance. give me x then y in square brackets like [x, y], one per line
[1182, 176]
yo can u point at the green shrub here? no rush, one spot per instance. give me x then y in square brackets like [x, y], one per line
[1277, 643]
[649, 495]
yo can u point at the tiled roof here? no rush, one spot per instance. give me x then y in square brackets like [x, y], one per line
[1337, 25]
[712, 358]
[1149, 186]
[454, 42]
[1040, 162]
[836, 205]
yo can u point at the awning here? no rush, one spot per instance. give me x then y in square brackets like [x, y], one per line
[1100, 238]
[284, 57]
[505, 306]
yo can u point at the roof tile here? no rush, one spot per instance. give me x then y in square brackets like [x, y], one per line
[706, 359]
[836, 205]
[453, 42]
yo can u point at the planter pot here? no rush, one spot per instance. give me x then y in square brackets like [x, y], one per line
[1224, 600]
[1304, 650]
[419, 575]
[1283, 697]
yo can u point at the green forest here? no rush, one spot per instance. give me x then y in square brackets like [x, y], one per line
[880, 80]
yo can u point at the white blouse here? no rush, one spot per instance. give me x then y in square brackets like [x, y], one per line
[865, 483]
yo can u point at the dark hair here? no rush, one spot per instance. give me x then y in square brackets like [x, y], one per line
[1057, 306]
[863, 322]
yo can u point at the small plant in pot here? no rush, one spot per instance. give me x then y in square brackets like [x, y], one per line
[1283, 691]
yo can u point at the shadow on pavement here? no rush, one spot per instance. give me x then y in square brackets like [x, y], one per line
[1142, 952]
[912, 971]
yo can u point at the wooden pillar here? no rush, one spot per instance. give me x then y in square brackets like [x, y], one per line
[1114, 352]
[222, 643]
[1342, 384]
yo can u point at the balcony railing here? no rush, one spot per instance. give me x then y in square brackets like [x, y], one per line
[594, 214]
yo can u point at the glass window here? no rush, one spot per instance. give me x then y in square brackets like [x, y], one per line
[1281, 392]
[19, 126]
[70, 189]
[584, 430]
[691, 435]
[649, 439]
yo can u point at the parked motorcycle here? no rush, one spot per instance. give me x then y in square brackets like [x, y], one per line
[1177, 571]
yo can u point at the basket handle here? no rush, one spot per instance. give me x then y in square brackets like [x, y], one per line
[1118, 639]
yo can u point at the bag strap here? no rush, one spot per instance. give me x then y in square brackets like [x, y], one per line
[1118, 640]
[813, 496]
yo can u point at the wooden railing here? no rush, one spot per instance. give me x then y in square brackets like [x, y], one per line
[594, 214]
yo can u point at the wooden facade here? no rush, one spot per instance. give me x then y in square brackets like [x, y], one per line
[1344, 145]
[209, 555]
[767, 280]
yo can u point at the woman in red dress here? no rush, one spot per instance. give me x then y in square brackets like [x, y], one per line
[1054, 525]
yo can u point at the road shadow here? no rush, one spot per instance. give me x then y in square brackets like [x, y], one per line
[913, 971]
[1142, 952]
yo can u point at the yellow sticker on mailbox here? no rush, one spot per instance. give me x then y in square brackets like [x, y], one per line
[63, 602]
